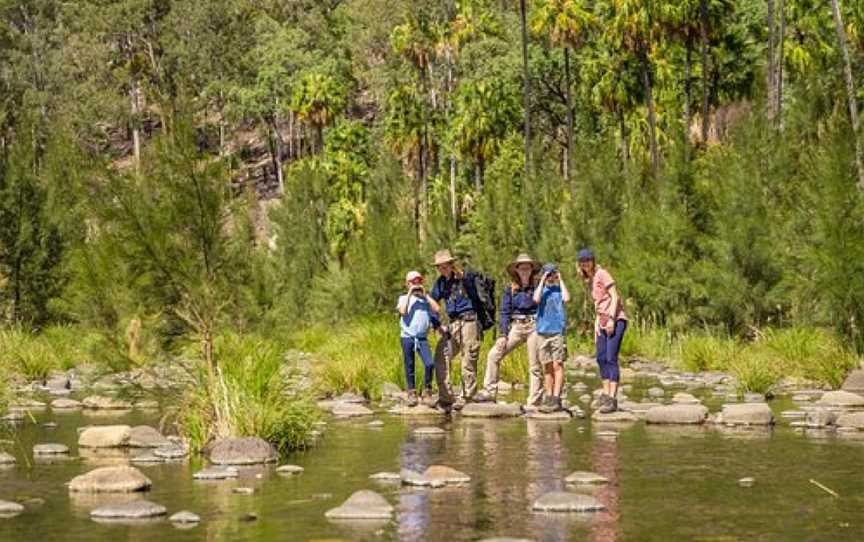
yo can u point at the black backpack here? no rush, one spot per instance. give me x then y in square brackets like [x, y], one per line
[482, 292]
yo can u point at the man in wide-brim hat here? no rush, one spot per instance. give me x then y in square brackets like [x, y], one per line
[462, 333]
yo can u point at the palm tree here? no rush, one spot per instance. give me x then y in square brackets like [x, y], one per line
[568, 23]
[318, 99]
[405, 132]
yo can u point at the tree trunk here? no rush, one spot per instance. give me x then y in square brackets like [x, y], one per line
[454, 205]
[770, 75]
[850, 88]
[291, 135]
[703, 29]
[221, 123]
[277, 154]
[649, 102]
[135, 109]
[688, 90]
[526, 87]
[625, 147]
[478, 175]
[424, 158]
[778, 78]
[568, 83]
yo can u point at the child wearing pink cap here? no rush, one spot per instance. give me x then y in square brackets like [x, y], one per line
[416, 312]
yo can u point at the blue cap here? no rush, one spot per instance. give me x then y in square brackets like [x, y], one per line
[585, 254]
[549, 269]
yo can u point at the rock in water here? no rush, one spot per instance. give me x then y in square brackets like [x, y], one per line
[854, 381]
[852, 420]
[144, 436]
[619, 416]
[110, 480]
[677, 414]
[171, 451]
[102, 402]
[585, 477]
[290, 469]
[682, 398]
[747, 482]
[564, 501]
[216, 473]
[821, 418]
[841, 398]
[10, 509]
[50, 449]
[104, 436]
[350, 410]
[746, 414]
[446, 474]
[363, 504]
[386, 477]
[491, 410]
[413, 478]
[417, 411]
[429, 432]
[242, 451]
[131, 510]
[184, 516]
[558, 416]
[7, 459]
[65, 404]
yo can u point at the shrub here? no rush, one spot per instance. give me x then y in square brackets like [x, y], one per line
[705, 352]
[753, 372]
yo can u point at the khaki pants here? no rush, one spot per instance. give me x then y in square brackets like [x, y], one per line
[521, 332]
[464, 338]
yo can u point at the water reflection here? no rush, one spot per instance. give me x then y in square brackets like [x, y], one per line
[604, 461]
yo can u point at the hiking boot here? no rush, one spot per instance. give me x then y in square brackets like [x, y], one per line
[427, 398]
[610, 406]
[548, 405]
[459, 403]
[444, 408]
[600, 401]
[483, 397]
[412, 398]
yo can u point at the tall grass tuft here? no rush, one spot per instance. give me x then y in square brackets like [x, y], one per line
[35, 355]
[251, 394]
[705, 352]
[754, 372]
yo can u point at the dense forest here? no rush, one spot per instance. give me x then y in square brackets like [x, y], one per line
[180, 169]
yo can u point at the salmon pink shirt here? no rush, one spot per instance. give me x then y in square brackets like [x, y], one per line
[600, 285]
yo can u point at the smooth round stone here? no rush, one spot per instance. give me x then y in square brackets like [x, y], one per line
[445, 474]
[147, 405]
[50, 449]
[386, 477]
[414, 478]
[491, 410]
[216, 473]
[171, 452]
[131, 510]
[148, 458]
[801, 398]
[429, 432]
[746, 482]
[564, 501]
[104, 436]
[681, 398]
[363, 504]
[102, 402]
[606, 434]
[656, 392]
[243, 490]
[559, 416]
[677, 414]
[9, 509]
[350, 410]
[793, 414]
[121, 479]
[290, 469]
[585, 477]
[619, 416]
[841, 399]
[242, 451]
[13, 416]
[375, 423]
[144, 436]
[753, 413]
[184, 516]
[65, 404]
[415, 411]
[7, 459]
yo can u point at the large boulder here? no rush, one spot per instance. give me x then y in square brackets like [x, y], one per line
[242, 451]
[104, 436]
[103, 402]
[139, 509]
[144, 436]
[854, 381]
[677, 414]
[843, 399]
[564, 501]
[491, 410]
[363, 504]
[120, 479]
[746, 414]
[854, 420]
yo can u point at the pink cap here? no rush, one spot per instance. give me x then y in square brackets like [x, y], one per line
[412, 276]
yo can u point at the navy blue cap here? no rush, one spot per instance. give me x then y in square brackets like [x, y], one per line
[585, 254]
[549, 268]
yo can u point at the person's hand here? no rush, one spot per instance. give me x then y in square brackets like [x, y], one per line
[501, 344]
[609, 326]
[443, 329]
[596, 327]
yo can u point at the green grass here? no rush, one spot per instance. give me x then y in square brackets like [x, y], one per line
[35, 355]
[251, 395]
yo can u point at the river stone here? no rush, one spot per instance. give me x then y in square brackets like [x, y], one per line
[9, 509]
[853, 420]
[751, 397]
[243, 490]
[677, 414]
[375, 423]
[363, 504]
[148, 458]
[854, 381]
[801, 398]
[491, 410]
[140, 509]
[104, 436]
[564, 501]
[682, 398]
[821, 418]
[429, 432]
[584, 398]
[841, 399]
[619, 416]
[171, 451]
[793, 414]
[419, 410]
[216, 473]
[13, 416]
[414, 478]
[386, 477]
[290, 469]
[349, 397]
[242, 451]
[747, 482]
[446, 474]
[121, 479]
[144, 436]
[606, 434]
[147, 404]
[579, 386]
[102, 402]
[389, 389]
[50, 449]
[65, 404]
[349, 410]
[747, 414]
[184, 516]
[656, 392]
[7, 459]
[585, 477]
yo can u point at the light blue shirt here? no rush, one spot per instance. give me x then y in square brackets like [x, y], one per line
[415, 323]
[551, 317]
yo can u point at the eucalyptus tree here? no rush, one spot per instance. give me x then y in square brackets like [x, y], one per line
[851, 96]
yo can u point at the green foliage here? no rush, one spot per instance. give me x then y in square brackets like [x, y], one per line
[252, 394]
[34, 356]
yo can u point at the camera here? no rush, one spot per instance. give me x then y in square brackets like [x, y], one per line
[417, 290]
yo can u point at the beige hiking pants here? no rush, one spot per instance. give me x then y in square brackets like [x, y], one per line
[521, 332]
[465, 338]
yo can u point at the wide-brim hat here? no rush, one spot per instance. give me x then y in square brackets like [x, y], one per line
[442, 257]
[523, 258]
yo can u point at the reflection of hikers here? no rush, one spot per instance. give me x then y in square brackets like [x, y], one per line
[417, 309]
[467, 298]
[518, 313]
[550, 296]
[609, 326]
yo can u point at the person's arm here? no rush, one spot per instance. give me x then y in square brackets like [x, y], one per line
[506, 312]
[538, 291]
[433, 305]
[613, 311]
[565, 293]
[402, 305]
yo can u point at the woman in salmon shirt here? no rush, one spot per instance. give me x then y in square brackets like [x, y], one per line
[610, 324]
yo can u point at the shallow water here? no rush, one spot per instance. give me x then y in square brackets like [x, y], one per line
[667, 483]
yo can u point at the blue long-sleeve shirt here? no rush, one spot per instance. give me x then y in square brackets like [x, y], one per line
[519, 302]
[454, 292]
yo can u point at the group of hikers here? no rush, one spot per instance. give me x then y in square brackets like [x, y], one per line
[532, 312]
